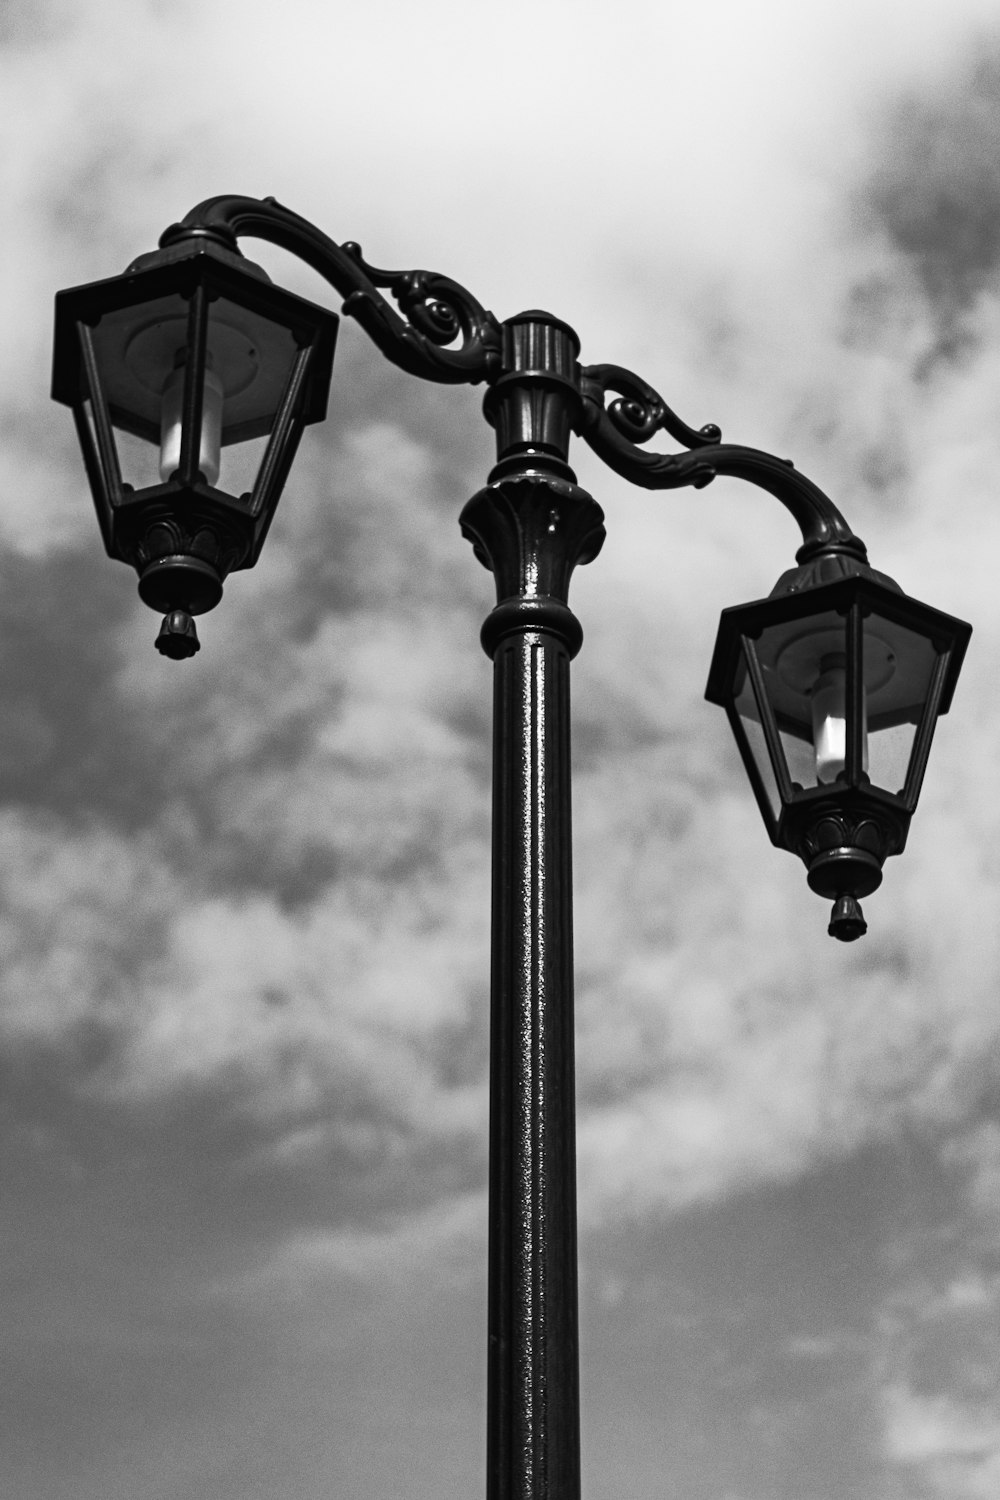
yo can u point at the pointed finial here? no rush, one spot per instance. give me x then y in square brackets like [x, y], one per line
[178, 637]
[847, 920]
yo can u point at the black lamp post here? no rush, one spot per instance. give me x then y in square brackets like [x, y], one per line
[191, 378]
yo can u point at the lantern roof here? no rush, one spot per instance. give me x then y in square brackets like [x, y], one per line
[135, 313]
[796, 597]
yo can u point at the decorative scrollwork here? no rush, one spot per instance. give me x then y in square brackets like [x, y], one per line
[615, 432]
[432, 303]
[434, 311]
[441, 332]
[639, 413]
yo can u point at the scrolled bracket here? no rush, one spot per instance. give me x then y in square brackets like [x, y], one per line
[615, 431]
[435, 312]
[638, 413]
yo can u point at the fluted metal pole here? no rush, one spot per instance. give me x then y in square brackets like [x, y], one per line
[531, 526]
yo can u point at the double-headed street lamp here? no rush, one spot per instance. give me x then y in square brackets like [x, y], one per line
[191, 378]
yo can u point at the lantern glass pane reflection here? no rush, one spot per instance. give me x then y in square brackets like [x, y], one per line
[745, 703]
[896, 705]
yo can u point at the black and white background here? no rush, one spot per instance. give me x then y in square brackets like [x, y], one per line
[244, 900]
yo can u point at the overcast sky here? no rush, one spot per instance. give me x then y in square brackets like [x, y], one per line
[244, 900]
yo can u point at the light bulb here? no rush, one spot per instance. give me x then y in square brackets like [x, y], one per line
[171, 413]
[829, 720]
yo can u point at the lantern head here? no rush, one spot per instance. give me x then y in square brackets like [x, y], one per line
[191, 378]
[833, 687]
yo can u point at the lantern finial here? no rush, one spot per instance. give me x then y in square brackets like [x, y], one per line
[847, 920]
[178, 637]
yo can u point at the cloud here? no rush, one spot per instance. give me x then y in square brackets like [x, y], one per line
[950, 1448]
[439, 1248]
[936, 197]
[244, 901]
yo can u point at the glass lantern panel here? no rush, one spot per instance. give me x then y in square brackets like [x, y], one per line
[753, 734]
[138, 459]
[137, 349]
[800, 758]
[240, 465]
[140, 354]
[899, 668]
[252, 357]
[889, 752]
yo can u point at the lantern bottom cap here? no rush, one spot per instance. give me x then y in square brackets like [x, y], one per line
[847, 920]
[178, 637]
[846, 871]
[180, 582]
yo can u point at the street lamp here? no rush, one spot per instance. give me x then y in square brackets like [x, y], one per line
[174, 371]
[191, 378]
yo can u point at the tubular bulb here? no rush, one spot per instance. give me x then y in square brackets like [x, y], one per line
[171, 424]
[829, 720]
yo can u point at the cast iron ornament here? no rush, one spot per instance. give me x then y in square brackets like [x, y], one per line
[522, 524]
[434, 311]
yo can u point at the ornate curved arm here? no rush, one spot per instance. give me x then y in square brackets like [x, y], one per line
[615, 431]
[436, 310]
[639, 412]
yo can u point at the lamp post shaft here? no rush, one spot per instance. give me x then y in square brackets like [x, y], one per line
[533, 1426]
[531, 525]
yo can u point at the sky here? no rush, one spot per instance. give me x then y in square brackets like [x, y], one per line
[244, 900]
